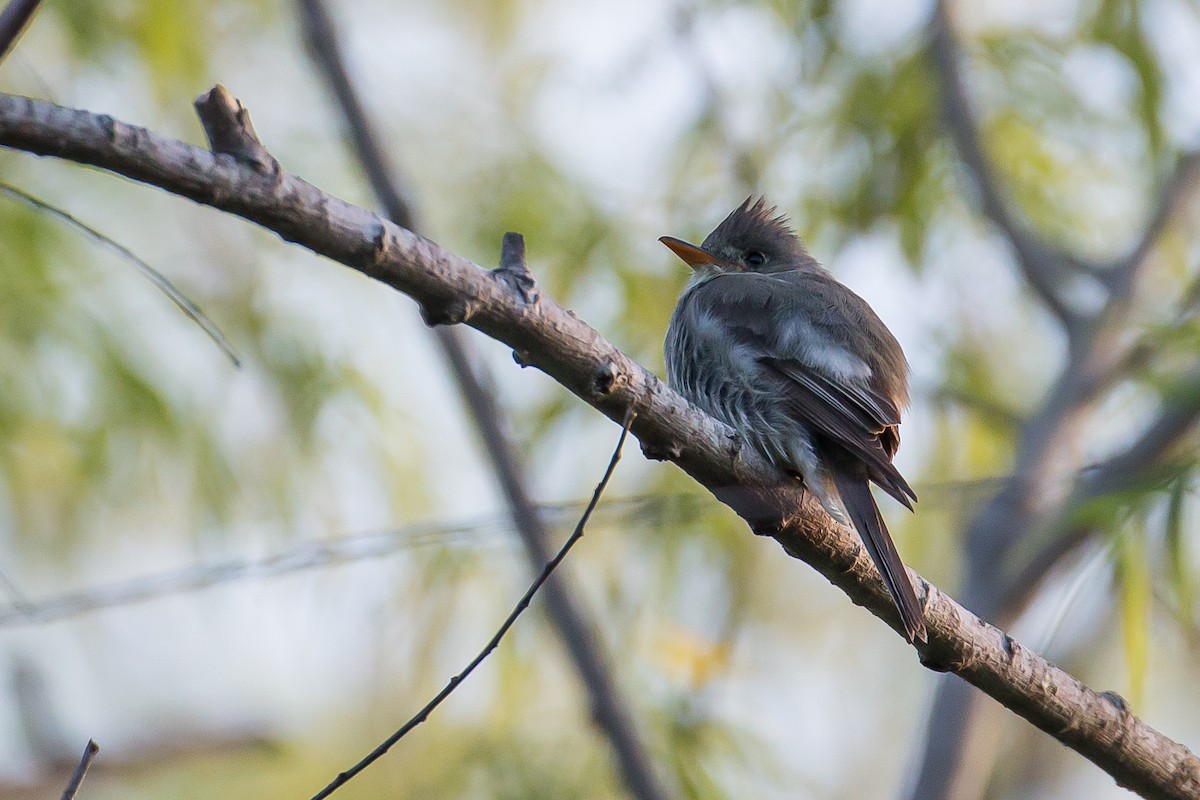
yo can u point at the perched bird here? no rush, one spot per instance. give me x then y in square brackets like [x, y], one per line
[767, 341]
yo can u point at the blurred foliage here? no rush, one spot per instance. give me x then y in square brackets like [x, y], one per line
[1133, 577]
[121, 430]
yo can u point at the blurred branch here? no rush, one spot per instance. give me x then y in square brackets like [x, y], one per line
[494, 642]
[16, 595]
[574, 627]
[160, 281]
[1098, 356]
[546, 335]
[1178, 189]
[322, 41]
[13, 21]
[1043, 266]
[89, 753]
[1123, 472]
[302, 557]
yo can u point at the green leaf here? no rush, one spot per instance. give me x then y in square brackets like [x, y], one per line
[1136, 596]
[1176, 544]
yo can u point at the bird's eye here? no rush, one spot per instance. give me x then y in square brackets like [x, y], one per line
[755, 258]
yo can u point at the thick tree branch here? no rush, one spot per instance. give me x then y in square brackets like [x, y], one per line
[570, 618]
[545, 335]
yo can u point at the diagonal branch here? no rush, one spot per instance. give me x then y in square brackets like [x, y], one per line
[569, 618]
[159, 280]
[85, 762]
[1173, 198]
[1124, 471]
[1043, 265]
[546, 335]
[13, 21]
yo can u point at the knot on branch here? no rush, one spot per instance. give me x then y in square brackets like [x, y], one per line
[512, 270]
[661, 451]
[453, 311]
[605, 379]
[227, 125]
[1118, 702]
[770, 527]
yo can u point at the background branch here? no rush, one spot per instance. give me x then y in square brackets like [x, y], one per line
[159, 280]
[1177, 190]
[1043, 266]
[13, 22]
[549, 337]
[571, 621]
[305, 556]
[998, 583]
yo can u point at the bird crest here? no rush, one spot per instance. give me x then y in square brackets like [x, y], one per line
[755, 225]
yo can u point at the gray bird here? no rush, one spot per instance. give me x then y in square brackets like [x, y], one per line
[767, 341]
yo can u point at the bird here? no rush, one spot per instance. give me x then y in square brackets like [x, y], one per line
[766, 340]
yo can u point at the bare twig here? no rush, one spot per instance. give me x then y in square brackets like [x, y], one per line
[494, 642]
[229, 130]
[13, 21]
[301, 557]
[89, 753]
[569, 618]
[160, 281]
[557, 342]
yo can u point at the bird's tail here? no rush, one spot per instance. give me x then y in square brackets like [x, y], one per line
[859, 504]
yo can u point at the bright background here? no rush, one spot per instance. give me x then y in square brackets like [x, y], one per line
[130, 448]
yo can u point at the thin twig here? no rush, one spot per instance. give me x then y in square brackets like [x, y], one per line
[89, 753]
[160, 281]
[308, 555]
[13, 21]
[522, 604]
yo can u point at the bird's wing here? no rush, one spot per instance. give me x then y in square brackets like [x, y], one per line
[849, 418]
[823, 384]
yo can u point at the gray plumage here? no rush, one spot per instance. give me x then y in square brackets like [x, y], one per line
[766, 340]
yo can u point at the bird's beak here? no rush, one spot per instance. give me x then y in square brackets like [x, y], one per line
[693, 256]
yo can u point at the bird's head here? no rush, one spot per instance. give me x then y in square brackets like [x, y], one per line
[753, 238]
